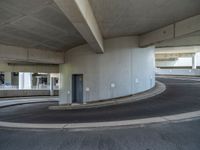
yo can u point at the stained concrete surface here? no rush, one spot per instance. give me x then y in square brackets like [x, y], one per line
[181, 96]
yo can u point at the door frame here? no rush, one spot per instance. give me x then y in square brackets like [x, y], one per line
[74, 88]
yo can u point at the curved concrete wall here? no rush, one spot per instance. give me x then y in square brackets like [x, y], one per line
[130, 68]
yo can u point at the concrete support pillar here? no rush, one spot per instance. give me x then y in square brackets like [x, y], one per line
[37, 82]
[25, 80]
[21, 80]
[8, 78]
[194, 61]
[48, 80]
[51, 86]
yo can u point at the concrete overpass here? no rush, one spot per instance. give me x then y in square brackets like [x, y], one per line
[99, 42]
[101, 54]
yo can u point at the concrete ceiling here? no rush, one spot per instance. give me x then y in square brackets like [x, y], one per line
[41, 24]
[133, 17]
[36, 24]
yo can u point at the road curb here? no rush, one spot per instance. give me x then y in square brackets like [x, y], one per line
[8, 103]
[158, 89]
[136, 122]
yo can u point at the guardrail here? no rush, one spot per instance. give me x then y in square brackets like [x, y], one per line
[14, 87]
[191, 72]
[25, 93]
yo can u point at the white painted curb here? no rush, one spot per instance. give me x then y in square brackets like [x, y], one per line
[136, 122]
[7, 103]
[160, 88]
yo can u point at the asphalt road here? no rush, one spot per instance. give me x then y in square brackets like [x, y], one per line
[181, 96]
[171, 136]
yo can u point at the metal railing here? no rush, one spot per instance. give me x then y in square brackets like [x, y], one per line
[40, 87]
[8, 87]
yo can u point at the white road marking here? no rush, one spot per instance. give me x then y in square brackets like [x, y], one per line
[136, 122]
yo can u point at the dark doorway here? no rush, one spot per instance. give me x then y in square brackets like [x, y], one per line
[77, 88]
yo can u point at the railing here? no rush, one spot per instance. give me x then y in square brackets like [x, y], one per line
[192, 72]
[40, 87]
[44, 87]
[8, 87]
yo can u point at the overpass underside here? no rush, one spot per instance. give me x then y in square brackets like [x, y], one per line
[100, 50]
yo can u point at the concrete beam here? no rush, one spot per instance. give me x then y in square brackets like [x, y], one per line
[19, 54]
[187, 26]
[173, 31]
[4, 67]
[171, 50]
[166, 59]
[159, 35]
[179, 42]
[172, 56]
[44, 56]
[80, 13]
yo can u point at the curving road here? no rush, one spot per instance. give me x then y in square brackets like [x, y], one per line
[181, 96]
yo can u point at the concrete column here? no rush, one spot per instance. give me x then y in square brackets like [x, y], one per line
[194, 61]
[21, 80]
[51, 86]
[8, 78]
[25, 80]
[48, 80]
[37, 82]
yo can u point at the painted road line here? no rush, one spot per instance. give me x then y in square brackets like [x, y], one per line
[136, 122]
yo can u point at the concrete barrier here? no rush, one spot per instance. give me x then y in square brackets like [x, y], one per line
[25, 93]
[187, 72]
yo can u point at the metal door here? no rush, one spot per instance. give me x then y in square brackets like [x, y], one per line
[77, 88]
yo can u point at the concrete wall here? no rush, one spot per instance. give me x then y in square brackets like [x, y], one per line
[130, 68]
[180, 62]
[190, 72]
[25, 93]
